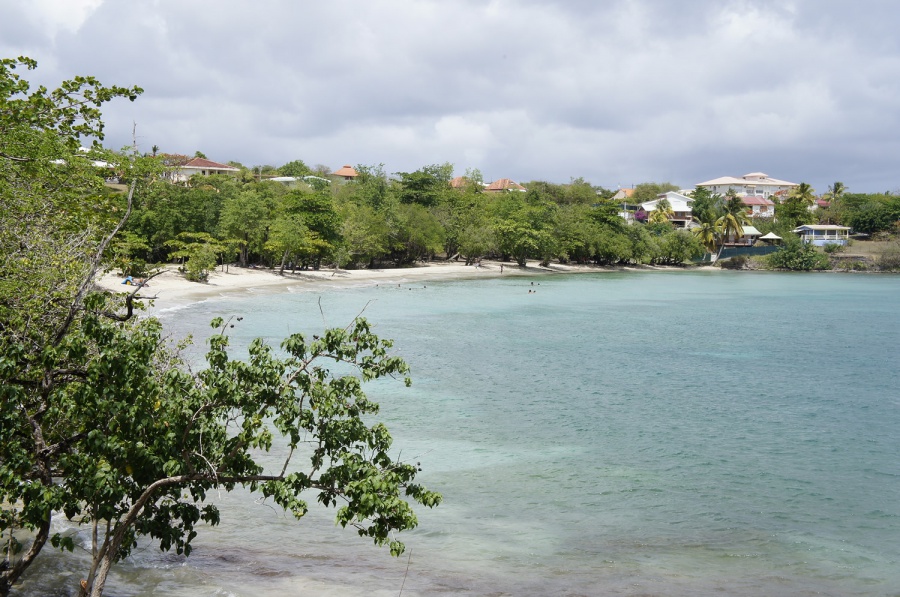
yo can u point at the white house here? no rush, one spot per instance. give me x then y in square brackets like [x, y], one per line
[681, 205]
[182, 170]
[757, 184]
[824, 234]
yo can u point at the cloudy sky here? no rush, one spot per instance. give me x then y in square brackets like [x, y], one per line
[615, 91]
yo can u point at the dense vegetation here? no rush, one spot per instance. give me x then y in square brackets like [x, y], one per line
[380, 219]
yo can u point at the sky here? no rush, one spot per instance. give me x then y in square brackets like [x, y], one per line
[617, 92]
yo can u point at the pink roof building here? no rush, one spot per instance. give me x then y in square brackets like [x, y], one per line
[760, 207]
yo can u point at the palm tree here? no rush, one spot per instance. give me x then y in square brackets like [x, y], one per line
[708, 233]
[832, 213]
[731, 224]
[805, 194]
[836, 191]
[662, 213]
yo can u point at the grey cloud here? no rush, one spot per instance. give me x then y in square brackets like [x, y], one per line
[618, 91]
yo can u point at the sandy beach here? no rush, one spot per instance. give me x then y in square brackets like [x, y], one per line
[170, 288]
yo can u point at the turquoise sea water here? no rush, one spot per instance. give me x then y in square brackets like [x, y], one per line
[660, 433]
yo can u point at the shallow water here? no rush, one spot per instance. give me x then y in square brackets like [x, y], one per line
[620, 433]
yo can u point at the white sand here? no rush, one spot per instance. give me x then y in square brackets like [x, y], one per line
[170, 288]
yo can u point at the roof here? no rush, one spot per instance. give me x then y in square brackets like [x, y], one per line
[346, 170]
[770, 236]
[459, 182]
[679, 202]
[756, 200]
[750, 230]
[504, 184]
[205, 164]
[753, 178]
[820, 227]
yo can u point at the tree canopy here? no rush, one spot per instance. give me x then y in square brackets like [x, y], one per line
[103, 422]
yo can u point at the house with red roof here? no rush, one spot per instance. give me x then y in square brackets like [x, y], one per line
[504, 184]
[759, 207]
[182, 168]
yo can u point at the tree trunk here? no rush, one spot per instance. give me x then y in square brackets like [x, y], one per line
[283, 261]
[11, 572]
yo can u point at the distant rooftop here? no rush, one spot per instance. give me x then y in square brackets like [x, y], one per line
[347, 171]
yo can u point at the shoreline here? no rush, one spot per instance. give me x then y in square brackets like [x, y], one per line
[170, 289]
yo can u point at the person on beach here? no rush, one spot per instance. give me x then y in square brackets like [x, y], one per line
[501, 268]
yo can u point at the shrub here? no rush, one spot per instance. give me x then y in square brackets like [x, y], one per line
[796, 255]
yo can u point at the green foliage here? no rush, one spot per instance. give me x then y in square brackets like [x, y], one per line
[734, 216]
[365, 233]
[708, 234]
[199, 252]
[648, 191]
[870, 218]
[427, 186]
[246, 218]
[296, 168]
[415, 234]
[677, 247]
[523, 226]
[796, 255]
[706, 206]
[643, 244]
[613, 247]
[103, 422]
[662, 213]
[128, 252]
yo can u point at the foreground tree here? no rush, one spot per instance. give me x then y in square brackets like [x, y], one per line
[101, 420]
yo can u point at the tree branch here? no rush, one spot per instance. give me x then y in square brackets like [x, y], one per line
[92, 270]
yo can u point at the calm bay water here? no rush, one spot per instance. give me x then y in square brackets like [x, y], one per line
[664, 433]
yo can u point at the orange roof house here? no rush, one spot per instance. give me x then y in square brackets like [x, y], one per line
[347, 172]
[504, 184]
